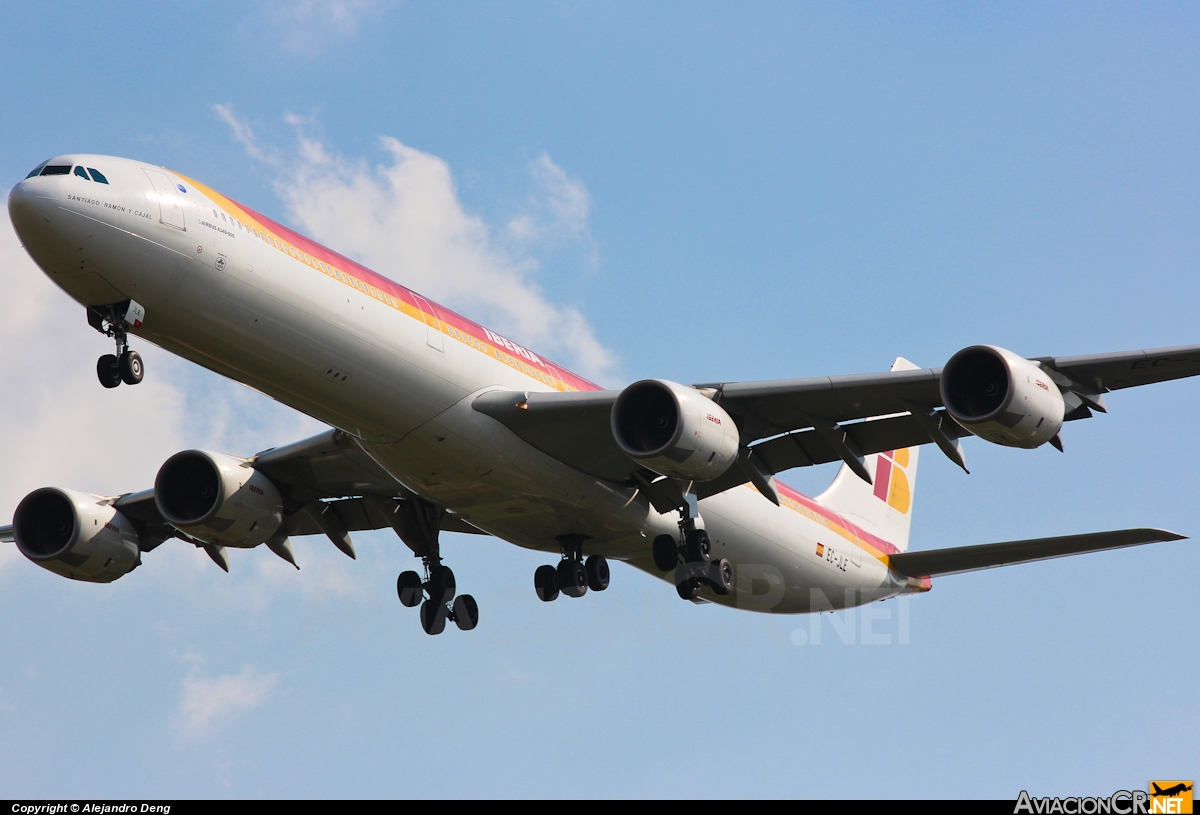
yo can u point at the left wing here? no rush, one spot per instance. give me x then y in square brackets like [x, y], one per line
[801, 422]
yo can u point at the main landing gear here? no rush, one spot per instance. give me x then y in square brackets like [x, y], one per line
[418, 522]
[440, 604]
[111, 320]
[573, 576]
[697, 568]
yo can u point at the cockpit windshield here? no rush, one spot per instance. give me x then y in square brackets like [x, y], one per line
[86, 173]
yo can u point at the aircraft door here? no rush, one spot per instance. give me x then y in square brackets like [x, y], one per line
[433, 326]
[170, 205]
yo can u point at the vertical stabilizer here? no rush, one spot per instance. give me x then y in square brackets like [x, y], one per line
[883, 508]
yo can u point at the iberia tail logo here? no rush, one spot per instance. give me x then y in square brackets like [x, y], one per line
[891, 480]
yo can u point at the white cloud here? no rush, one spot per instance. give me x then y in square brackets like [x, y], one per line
[308, 26]
[559, 211]
[403, 218]
[210, 702]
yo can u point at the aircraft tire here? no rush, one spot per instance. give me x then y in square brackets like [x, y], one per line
[108, 371]
[699, 547]
[408, 586]
[433, 617]
[131, 367]
[689, 589]
[466, 612]
[441, 585]
[545, 583]
[572, 578]
[665, 553]
[723, 585]
[597, 573]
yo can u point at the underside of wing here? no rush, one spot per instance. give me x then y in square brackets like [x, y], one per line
[973, 558]
[328, 486]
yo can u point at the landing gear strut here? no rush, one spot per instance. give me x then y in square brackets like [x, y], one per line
[573, 576]
[111, 320]
[437, 592]
[693, 546]
[418, 522]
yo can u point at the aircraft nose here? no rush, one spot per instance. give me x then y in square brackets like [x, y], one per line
[31, 208]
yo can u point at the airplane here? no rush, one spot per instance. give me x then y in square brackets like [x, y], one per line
[437, 423]
[1170, 792]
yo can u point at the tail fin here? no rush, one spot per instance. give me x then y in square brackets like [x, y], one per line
[883, 508]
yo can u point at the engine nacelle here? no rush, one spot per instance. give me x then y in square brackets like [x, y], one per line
[218, 499]
[76, 535]
[1002, 397]
[674, 430]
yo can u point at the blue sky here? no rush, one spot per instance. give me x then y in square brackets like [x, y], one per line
[690, 191]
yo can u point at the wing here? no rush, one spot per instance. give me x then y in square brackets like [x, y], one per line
[972, 558]
[328, 484]
[800, 422]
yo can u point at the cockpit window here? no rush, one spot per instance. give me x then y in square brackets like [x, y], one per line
[36, 170]
[82, 173]
[97, 176]
[56, 169]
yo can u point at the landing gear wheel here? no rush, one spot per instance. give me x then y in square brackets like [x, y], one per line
[699, 549]
[131, 368]
[572, 578]
[433, 617]
[108, 370]
[545, 582]
[408, 586]
[688, 589]
[441, 585]
[466, 612]
[665, 551]
[597, 573]
[723, 574]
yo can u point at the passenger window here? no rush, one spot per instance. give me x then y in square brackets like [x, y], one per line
[82, 173]
[57, 169]
[97, 176]
[36, 170]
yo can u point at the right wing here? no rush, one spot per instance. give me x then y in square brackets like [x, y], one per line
[328, 484]
[934, 562]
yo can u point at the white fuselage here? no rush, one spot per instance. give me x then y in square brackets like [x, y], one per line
[247, 298]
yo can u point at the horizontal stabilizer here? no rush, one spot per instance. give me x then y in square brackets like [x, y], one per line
[972, 558]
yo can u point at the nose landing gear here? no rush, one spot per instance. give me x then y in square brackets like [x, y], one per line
[111, 320]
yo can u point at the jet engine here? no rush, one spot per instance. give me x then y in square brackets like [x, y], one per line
[218, 499]
[76, 535]
[1002, 397]
[674, 430]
